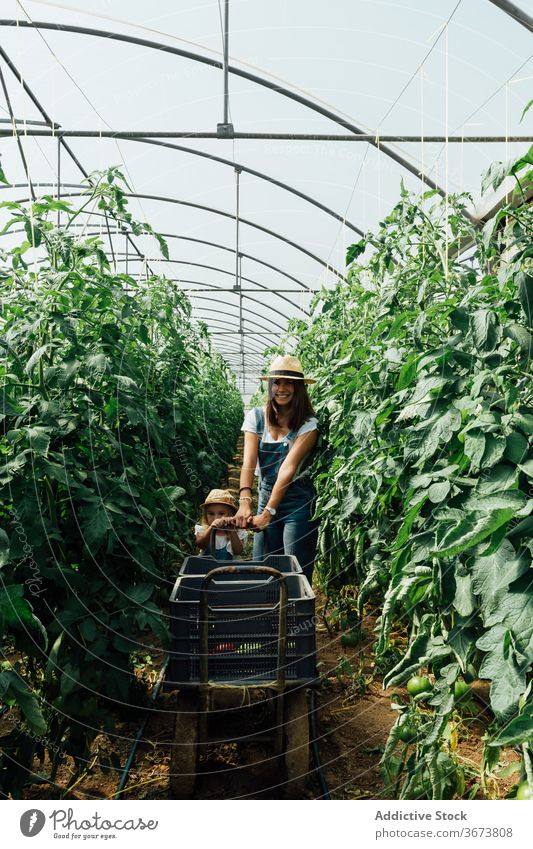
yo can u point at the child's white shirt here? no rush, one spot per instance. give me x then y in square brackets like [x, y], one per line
[223, 540]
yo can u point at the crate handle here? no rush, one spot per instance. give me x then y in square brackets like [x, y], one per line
[251, 581]
[211, 548]
[204, 643]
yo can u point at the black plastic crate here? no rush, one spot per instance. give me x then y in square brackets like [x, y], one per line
[243, 630]
[202, 564]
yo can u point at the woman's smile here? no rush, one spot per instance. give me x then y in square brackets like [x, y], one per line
[282, 391]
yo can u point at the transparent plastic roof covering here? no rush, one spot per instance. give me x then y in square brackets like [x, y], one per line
[447, 68]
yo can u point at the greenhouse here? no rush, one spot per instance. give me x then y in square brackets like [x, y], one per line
[266, 277]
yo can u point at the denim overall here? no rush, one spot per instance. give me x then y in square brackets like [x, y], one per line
[223, 554]
[291, 530]
[219, 553]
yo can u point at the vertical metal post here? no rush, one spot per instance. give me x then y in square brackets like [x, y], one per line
[237, 221]
[58, 179]
[226, 52]
[238, 264]
[241, 324]
[225, 129]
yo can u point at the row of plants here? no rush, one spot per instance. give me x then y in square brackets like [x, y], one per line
[117, 416]
[425, 483]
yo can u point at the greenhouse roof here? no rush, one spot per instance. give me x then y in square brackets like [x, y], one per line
[328, 108]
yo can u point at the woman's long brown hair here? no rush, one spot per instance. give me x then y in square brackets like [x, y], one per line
[301, 407]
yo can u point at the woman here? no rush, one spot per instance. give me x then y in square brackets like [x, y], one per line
[279, 440]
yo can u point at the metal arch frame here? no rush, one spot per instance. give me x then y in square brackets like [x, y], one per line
[241, 253]
[210, 244]
[255, 359]
[261, 286]
[231, 330]
[265, 339]
[256, 356]
[30, 122]
[208, 286]
[269, 321]
[61, 141]
[515, 12]
[204, 155]
[257, 353]
[121, 256]
[230, 250]
[163, 199]
[201, 297]
[196, 293]
[215, 63]
[234, 330]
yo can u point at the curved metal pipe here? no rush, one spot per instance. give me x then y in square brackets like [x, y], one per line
[255, 78]
[233, 327]
[232, 331]
[219, 159]
[202, 297]
[122, 257]
[275, 327]
[515, 12]
[163, 199]
[191, 293]
[195, 240]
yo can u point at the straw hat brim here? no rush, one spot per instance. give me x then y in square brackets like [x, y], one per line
[272, 376]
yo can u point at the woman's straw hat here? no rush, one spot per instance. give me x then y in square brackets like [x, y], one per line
[288, 367]
[220, 496]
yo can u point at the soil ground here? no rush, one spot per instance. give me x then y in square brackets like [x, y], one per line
[353, 719]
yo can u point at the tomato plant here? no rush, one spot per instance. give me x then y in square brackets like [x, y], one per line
[117, 417]
[423, 360]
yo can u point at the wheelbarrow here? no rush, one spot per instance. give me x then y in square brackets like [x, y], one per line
[241, 626]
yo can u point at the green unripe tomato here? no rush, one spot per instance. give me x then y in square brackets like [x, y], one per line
[417, 685]
[461, 690]
[470, 673]
[349, 640]
[407, 733]
[523, 792]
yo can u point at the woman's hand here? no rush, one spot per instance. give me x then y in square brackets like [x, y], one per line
[262, 521]
[243, 516]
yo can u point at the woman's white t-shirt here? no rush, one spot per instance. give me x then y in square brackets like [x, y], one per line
[224, 540]
[249, 425]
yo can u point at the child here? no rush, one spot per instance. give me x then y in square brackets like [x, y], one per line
[218, 510]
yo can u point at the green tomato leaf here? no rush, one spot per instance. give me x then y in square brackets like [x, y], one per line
[470, 531]
[4, 548]
[438, 491]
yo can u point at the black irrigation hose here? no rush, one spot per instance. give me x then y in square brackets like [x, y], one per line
[140, 732]
[314, 746]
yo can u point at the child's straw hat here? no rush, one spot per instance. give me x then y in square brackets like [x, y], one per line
[220, 496]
